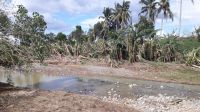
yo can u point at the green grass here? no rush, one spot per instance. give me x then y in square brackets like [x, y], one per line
[157, 64]
[184, 75]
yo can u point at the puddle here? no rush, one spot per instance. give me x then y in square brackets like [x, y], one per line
[100, 86]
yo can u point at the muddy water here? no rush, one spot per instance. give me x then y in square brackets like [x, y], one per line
[100, 86]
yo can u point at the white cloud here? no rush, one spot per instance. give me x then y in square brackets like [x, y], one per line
[190, 16]
[86, 6]
[71, 6]
[48, 9]
[88, 23]
[95, 7]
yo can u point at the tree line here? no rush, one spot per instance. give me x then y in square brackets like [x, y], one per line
[116, 37]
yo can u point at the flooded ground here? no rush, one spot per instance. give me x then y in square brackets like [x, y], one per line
[99, 85]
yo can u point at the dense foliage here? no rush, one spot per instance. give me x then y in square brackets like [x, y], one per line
[116, 37]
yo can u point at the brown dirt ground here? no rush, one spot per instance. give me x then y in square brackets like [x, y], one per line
[25, 100]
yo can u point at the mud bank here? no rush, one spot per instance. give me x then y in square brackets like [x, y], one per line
[161, 72]
[45, 101]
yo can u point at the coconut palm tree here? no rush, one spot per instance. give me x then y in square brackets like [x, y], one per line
[122, 15]
[149, 8]
[164, 7]
[107, 13]
[180, 16]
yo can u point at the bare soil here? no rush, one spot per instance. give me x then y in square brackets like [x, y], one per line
[25, 100]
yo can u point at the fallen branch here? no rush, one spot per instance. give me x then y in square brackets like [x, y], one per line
[196, 66]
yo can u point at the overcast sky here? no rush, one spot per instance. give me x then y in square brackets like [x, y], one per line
[64, 15]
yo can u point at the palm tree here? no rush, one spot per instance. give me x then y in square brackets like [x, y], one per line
[164, 6]
[106, 24]
[122, 15]
[149, 8]
[180, 16]
[107, 13]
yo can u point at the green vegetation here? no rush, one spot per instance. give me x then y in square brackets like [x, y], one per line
[184, 75]
[29, 31]
[116, 37]
[185, 45]
[13, 55]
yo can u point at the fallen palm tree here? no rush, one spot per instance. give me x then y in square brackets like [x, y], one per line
[13, 55]
[193, 58]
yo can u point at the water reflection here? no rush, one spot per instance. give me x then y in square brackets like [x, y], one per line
[24, 79]
[9, 80]
[101, 86]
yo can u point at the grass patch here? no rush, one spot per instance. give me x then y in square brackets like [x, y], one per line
[157, 64]
[184, 75]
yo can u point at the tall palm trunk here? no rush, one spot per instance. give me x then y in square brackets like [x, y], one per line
[180, 17]
[161, 33]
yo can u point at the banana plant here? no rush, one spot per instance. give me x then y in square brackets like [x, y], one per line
[193, 57]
